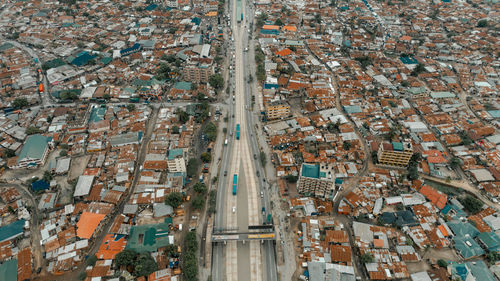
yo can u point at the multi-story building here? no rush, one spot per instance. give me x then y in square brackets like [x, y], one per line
[34, 152]
[197, 74]
[277, 110]
[395, 153]
[315, 182]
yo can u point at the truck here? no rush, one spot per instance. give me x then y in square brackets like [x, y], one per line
[235, 184]
[237, 131]
[40, 88]
[269, 217]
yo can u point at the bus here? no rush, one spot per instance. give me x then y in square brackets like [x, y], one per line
[235, 183]
[237, 131]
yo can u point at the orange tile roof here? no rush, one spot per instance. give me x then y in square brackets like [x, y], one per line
[270, 27]
[290, 28]
[443, 230]
[285, 52]
[87, 224]
[437, 198]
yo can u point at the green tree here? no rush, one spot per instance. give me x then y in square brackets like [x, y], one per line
[106, 96]
[442, 263]
[20, 103]
[261, 19]
[175, 130]
[171, 250]
[366, 258]
[418, 69]
[192, 167]
[63, 152]
[145, 265]
[482, 23]
[346, 145]
[464, 136]
[211, 131]
[471, 204]
[200, 188]
[130, 107]
[198, 202]
[9, 153]
[455, 162]
[206, 157]
[212, 201]
[291, 178]
[174, 199]
[91, 260]
[216, 81]
[125, 257]
[278, 22]
[82, 275]
[163, 72]
[182, 115]
[47, 176]
[31, 130]
[263, 158]
[493, 257]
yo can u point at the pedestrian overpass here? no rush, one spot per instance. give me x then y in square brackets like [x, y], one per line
[255, 232]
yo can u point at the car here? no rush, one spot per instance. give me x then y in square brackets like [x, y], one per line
[264, 180]
[255, 156]
[261, 194]
[234, 209]
[258, 174]
[225, 173]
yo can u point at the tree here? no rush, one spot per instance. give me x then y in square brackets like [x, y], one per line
[482, 23]
[106, 96]
[291, 178]
[211, 131]
[145, 265]
[175, 130]
[492, 257]
[20, 103]
[189, 264]
[212, 201]
[63, 152]
[174, 199]
[418, 69]
[82, 275]
[31, 130]
[182, 115]
[278, 22]
[261, 19]
[346, 145]
[9, 153]
[192, 167]
[466, 140]
[216, 81]
[455, 162]
[206, 157]
[366, 258]
[47, 176]
[198, 202]
[91, 260]
[125, 258]
[471, 204]
[200, 188]
[163, 72]
[442, 263]
[130, 107]
[412, 172]
[263, 159]
[171, 250]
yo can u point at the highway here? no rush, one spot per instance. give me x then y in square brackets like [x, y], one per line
[237, 260]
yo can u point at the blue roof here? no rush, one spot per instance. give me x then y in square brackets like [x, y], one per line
[135, 48]
[151, 7]
[173, 153]
[397, 146]
[182, 85]
[196, 21]
[39, 185]
[310, 171]
[82, 59]
[478, 269]
[490, 240]
[11, 230]
[461, 244]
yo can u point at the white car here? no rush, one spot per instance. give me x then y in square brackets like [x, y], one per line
[261, 194]
[234, 209]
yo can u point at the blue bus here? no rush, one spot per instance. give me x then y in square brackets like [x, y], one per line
[235, 183]
[237, 131]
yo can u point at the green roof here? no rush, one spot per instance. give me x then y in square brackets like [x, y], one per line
[490, 240]
[442, 95]
[462, 229]
[310, 171]
[462, 246]
[183, 86]
[173, 153]
[34, 147]
[8, 270]
[397, 146]
[148, 238]
[5, 46]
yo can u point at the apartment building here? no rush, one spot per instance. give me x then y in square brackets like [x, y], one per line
[197, 74]
[395, 153]
[277, 110]
[314, 182]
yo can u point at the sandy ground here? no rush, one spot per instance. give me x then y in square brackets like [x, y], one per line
[445, 254]
[26, 174]
[78, 164]
[414, 267]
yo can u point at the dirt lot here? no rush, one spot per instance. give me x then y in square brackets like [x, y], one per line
[414, 267]
[445, 254]
[65, 189]
[78, 164]
[26, 174]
